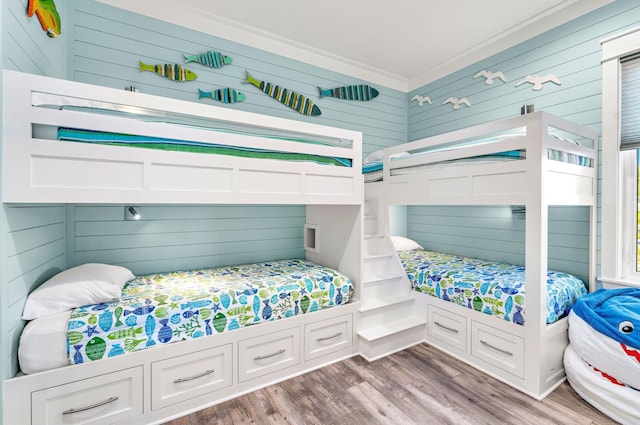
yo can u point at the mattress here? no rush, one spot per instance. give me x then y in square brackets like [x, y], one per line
[158, 143]
[163, 308]
[494, 288]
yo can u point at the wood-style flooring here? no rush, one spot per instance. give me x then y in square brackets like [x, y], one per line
[420, 385]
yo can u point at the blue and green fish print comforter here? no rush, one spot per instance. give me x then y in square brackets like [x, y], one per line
[162, 308]
[491, 287]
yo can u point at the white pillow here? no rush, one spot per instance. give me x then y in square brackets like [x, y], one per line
[90, 283]
[376, 156]
[404, 244]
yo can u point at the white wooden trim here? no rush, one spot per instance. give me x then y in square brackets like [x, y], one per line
[613, 267]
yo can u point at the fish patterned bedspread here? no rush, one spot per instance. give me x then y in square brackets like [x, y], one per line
[493, 288]
[162, 308]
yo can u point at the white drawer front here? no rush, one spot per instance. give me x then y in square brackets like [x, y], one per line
[328, 336]
[499, 348]
[104, 399]
[268, 353]
[447, 327]
[184, 377]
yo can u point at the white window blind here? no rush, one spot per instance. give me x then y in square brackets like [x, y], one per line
[630, 102]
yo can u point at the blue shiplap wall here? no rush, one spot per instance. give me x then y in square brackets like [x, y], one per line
[32, 238]
[572, 52]
[108, 43]
[105, 48]
[180, 237]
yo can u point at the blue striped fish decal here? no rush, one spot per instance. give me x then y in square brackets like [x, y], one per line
[293, 100]
[225, 95]
[355, 92]
[212, 59]
[170, 71]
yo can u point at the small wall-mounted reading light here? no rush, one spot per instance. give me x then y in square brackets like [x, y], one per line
[518, 211]
[132, 213]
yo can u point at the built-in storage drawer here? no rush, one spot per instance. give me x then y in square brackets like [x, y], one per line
[183, 377]
[268, 353]
[104, 399]
[328, 336]
[447, 327]
[499, 348]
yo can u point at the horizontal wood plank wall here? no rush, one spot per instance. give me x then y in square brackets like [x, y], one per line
[27, 48]
[494, 233]
[571, 52]
[108, 43]
[184, 237]
[33, 250]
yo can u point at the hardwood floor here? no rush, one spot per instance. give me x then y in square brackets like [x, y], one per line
[420, 385]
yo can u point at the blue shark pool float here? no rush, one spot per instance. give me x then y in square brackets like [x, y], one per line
[602, 361]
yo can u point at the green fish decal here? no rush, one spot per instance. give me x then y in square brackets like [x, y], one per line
[304, 303]
[355, 92]
[47, 14]
[74, 337]
[212, 58]
[124, 333]
[219, 322]
[477, 303]
[95, 348]
[293, 100]
[170, 71]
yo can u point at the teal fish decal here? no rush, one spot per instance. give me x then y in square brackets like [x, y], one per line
[225, 299]
[225, 95]
[47, 14]
[116, 350]
[355, 92]
[124, 333]
[140, 311]
[233, 325]
[95, 348]
[105, 320]
[75, 324]
[191, 305]
[149, 328]
[170, 71]
[212, 59]
[289, 98]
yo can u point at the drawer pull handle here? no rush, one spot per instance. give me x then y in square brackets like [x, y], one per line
[500, 350]
[93, 406]
[191, 378]
[446, 328]
[329, 337]
[270, 355]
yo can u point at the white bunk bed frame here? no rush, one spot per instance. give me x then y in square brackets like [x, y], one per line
[527, 357]
[156, 385]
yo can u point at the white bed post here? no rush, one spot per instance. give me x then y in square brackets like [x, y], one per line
[536, 247]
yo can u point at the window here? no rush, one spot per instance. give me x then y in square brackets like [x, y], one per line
[620, 254]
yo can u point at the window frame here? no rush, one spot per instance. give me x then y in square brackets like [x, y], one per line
[618, 257]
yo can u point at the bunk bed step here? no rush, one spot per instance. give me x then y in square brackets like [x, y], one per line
[388, 338]
[384, 302]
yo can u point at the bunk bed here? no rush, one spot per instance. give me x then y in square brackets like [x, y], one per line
[68, 142]
[532, 161]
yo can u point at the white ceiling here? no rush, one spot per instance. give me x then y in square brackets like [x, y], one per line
[402, 44]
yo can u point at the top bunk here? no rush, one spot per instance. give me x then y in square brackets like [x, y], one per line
[514, 161]
[70, 142]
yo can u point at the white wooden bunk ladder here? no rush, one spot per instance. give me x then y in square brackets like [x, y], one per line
[388, 322]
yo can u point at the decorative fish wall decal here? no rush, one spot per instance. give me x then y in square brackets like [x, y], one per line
[47, 14]
[293, 100]
[211, 58]
[355, 92]
[225, 95]
[173, 72]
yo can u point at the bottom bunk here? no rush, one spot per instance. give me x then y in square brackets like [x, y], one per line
[475, 310]
[129, 361]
